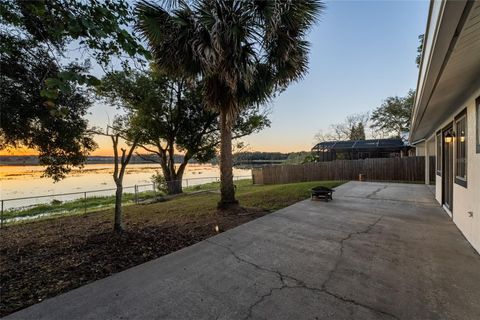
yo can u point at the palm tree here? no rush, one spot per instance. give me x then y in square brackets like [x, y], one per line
[244, 51]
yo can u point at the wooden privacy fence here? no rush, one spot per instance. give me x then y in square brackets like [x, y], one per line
[383, 169]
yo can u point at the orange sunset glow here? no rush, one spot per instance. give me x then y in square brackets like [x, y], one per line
[21, 151]
[253, 143]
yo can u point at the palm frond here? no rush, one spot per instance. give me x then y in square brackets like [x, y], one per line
[153, 22]
[244, 50]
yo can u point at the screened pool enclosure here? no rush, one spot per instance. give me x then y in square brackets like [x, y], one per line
[359, 149]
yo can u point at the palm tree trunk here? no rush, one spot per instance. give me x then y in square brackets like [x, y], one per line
[118, 224]
[227, 189]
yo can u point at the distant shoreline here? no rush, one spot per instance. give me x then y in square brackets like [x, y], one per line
[6, 160]
[88, 162]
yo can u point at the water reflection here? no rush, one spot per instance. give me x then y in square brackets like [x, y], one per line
[26, 181]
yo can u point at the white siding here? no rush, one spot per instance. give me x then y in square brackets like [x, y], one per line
[438, 188]
[420, 149]
[466, 200]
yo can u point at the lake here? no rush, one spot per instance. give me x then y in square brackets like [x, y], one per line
[27, 181]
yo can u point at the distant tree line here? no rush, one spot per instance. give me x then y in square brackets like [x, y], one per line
[300, 157]
[257, 155]
[33, 160]
[291, 157]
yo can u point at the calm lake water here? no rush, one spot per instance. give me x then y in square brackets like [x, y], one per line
[27, 181]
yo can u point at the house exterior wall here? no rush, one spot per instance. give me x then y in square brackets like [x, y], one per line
[420, 149]
[438, 188]
[429, 152]
[466, 200]
[430, 146]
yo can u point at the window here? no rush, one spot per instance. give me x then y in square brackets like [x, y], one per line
[478, 124]
[461, 139]
[439, 153]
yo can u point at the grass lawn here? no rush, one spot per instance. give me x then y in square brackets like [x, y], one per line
[44, 258]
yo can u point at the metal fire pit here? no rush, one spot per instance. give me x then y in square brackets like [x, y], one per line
[321, 192]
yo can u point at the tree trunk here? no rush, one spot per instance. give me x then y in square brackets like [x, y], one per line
[118, 224]
[175, 186]
[172, 179]
[227, 189]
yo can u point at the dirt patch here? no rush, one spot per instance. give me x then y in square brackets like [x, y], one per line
[41, 260]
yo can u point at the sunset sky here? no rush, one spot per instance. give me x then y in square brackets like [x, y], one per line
[362, 52]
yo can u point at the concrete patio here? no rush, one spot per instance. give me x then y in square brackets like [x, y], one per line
[378, 251]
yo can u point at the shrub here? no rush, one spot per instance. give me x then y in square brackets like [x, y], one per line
[160, 183]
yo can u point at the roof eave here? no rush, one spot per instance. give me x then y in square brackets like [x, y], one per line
[439, 34]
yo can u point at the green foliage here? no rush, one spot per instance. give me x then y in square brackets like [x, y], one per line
[309, 158]
[28, 118]
[299, 157]
[249, 156]
[169, 115]
[101, 27]
[42, 93]
[418, 59]
[357, 132]
[160, 183]
[393, 116]
[288, 158]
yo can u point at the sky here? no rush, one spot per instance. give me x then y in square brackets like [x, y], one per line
[361, 53]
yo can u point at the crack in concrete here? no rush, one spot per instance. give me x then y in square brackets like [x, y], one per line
[342, 248]
[301, 284]
[281, 276]
[343, 299]
[356, 303]
[374, 193]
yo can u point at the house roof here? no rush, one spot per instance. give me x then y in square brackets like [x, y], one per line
[351, 145]
[450, 66]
